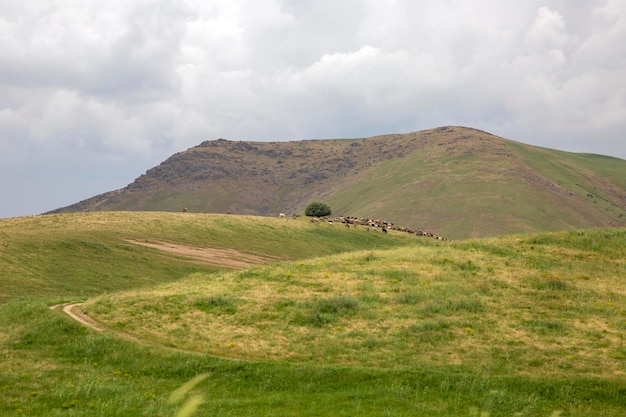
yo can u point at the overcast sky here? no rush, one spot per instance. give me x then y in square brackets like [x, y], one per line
[94, 93]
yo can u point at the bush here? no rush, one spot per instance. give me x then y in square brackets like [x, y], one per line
[317, 209]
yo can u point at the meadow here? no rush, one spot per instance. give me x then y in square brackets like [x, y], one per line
[341, 322]
[90, 253]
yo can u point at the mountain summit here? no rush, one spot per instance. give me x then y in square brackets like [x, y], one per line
[456, 181]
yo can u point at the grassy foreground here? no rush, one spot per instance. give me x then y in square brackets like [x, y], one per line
[553, 304]
[515, 326]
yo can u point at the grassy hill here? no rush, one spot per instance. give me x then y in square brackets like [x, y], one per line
[453, 181]
[90, 253]
[334, 321]
[553, 304]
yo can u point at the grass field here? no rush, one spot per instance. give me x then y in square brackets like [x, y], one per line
[90, 253]
[345, 323]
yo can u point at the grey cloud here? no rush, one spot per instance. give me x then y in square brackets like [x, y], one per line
[128, 83]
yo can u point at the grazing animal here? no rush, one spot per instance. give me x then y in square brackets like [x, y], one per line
[185, 210]
[375, 225]
[282, 215]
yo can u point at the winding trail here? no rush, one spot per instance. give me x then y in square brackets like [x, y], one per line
[224, 258]
[74, 312]
[79, 316]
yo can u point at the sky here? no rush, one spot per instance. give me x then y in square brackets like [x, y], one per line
[94, 93]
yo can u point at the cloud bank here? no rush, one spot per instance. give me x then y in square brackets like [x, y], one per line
[94, 93]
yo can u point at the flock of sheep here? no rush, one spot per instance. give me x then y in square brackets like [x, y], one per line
[369, 224]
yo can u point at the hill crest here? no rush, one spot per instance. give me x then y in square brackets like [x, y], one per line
[456, 181]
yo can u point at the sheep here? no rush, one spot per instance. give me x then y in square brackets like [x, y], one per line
[375, 225]
[282, 215]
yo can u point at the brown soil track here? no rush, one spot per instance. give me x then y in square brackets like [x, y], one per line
[81, 317]
[225, 258]
[73, 310]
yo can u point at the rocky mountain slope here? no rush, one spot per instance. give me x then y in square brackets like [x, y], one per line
[455, 181]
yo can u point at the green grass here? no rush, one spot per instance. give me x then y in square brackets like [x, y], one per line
[554, 285]
[54, 367]
[88, 253]
[513, 326]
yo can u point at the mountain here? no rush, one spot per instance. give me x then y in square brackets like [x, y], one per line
[457, 182]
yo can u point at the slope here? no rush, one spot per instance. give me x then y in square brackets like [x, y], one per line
[90, 253]
[454, 181]
[517, 325]
[548, 304]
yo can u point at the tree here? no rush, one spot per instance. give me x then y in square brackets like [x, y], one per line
[317, 209]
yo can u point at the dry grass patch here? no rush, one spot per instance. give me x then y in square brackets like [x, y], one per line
[498, 307]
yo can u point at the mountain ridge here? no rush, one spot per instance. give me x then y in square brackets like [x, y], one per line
[456, 181]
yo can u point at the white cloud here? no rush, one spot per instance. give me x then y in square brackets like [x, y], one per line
[123, 84]
[548, 32]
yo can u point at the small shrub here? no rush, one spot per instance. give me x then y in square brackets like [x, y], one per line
[317, 209]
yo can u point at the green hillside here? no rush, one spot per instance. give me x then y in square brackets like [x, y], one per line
[90, 253]
[453, 181]
[550, 304]
[330, 321]
[489, 187]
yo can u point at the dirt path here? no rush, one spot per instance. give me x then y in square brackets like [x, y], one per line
[73, 310]
[226, 258]
[81, 317]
